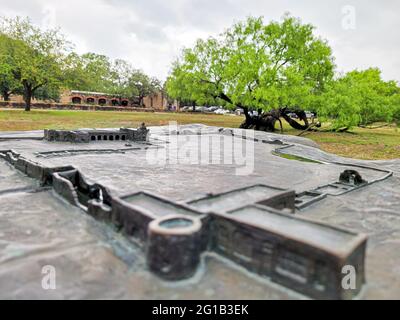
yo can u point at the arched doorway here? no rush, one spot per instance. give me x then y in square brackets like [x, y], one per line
[102, 101]
[90, 100]
[124, 103]
[76, 100]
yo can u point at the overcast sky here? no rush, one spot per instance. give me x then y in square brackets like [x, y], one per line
[151, 33]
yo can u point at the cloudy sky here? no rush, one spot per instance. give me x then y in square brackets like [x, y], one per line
[151, 33]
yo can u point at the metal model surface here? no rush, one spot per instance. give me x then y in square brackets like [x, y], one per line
[169, 227]
[91, 135]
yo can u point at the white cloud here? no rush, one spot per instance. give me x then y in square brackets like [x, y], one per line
[151, 33]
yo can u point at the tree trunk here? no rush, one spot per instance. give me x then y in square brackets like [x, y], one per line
[28, 101]
[28, 96]
[262, 122]
[141, 101]
[246, 114]
[293, 123]
[266, 121]
[6, 96]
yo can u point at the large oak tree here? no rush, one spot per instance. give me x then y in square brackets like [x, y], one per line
[275, 68]
[36, 57]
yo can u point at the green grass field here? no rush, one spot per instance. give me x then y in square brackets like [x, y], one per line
[382, 143]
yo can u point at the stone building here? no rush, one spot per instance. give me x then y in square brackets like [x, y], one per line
[157, 101]
[95, 98]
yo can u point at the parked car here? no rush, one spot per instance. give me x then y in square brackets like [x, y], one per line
[221, 111]
[292, 115]
[309, 115]
[212, 109]
[199, 109]
[207, 110]
[239, 111]
[186, 108]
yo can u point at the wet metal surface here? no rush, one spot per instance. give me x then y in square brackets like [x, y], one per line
[38, 228]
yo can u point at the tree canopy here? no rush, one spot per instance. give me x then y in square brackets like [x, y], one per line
[359, 98]
[253, 65]
[88, 72]
[143, 85]
[93, 72]
[39, 63]
[8, 83]
[280, 68]
[34, 57]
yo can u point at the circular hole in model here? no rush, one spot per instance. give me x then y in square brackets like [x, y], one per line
[176, 223]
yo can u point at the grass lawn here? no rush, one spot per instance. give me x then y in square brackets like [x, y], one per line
[382, 143]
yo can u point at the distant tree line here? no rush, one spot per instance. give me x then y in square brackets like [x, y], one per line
[38, 63]
[281, 69]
